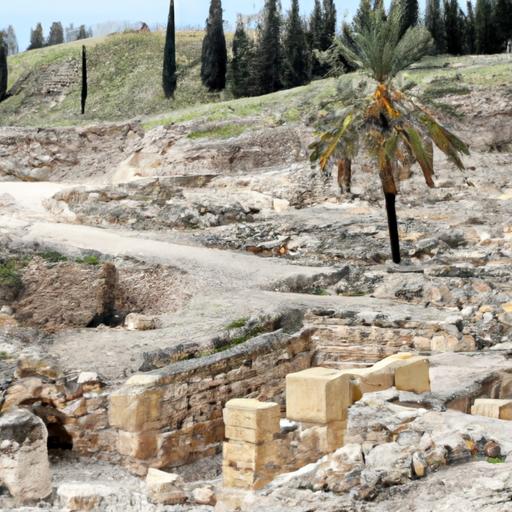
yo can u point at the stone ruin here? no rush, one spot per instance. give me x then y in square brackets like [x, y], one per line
[292, 414]
[317, 404]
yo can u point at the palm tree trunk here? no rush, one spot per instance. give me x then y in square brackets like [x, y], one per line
[393, 226]
[345, 175]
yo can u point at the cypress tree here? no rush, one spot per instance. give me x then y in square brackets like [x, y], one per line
[82, 33]
[296, 56]
[434, 22]
[36, 38]
[470, 29]
[362, 17]
[214, 58]
[408, 14]
[11, 41]
[316, 37]
[242, 63]
[56, 34]
[169, 69]
[453, 23]
[268, 61]
[483, 26]
[328, 25]
[84, 80]
[3, 69]
[503, 23]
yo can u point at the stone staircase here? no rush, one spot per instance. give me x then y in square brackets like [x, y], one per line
[58, 78]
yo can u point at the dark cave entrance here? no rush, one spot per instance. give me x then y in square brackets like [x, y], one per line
[114, 319]
[58, 437]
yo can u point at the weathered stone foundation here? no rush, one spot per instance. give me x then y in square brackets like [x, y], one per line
[173, 416]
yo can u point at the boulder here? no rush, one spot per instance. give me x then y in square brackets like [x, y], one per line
[82, 496]
[24, 466]
[204, 496]
[165, 488]
[136, 322]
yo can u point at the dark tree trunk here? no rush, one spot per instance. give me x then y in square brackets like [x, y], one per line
[84, 79]
[345, 175]
[393, 226]
[169, 69]
[3, 70]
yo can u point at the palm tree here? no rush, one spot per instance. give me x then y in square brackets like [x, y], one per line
[378, 116]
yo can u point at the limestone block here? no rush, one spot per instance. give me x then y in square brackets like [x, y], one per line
[135, 409]
[24, 466]
[321, 439]
[81, 496]
[449, 343]
[165, 488]
[422, 344]
[499, 409]
[245, 478]
[88, 378]
[317, 395]
[30, 388]
[391, 363]
[248, 435]
[252, 414]
[281, 205]
[413, 375]
[136, 322]
[249, 456]
[204, 496]
[140, 445]
[367, 380]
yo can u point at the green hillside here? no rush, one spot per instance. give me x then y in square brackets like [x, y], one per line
[125, 83]
[124, 80]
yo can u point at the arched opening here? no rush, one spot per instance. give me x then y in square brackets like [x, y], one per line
[58, 437]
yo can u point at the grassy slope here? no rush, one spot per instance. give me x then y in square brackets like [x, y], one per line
[125, 82]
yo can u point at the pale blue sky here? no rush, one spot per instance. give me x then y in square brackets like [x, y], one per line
[24, 14]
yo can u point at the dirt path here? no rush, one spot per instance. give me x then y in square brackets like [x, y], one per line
[232, 285]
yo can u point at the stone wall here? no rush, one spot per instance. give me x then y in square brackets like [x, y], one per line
[173, 416]
[344, 341]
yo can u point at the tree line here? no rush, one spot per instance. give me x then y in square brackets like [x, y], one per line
[57, 35]
[483, 29]
[285, 51]
[279, 53]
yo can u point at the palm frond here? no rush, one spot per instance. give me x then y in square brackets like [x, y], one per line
[412, 47]
[424, 156]
[377, 48]
[447, 142]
